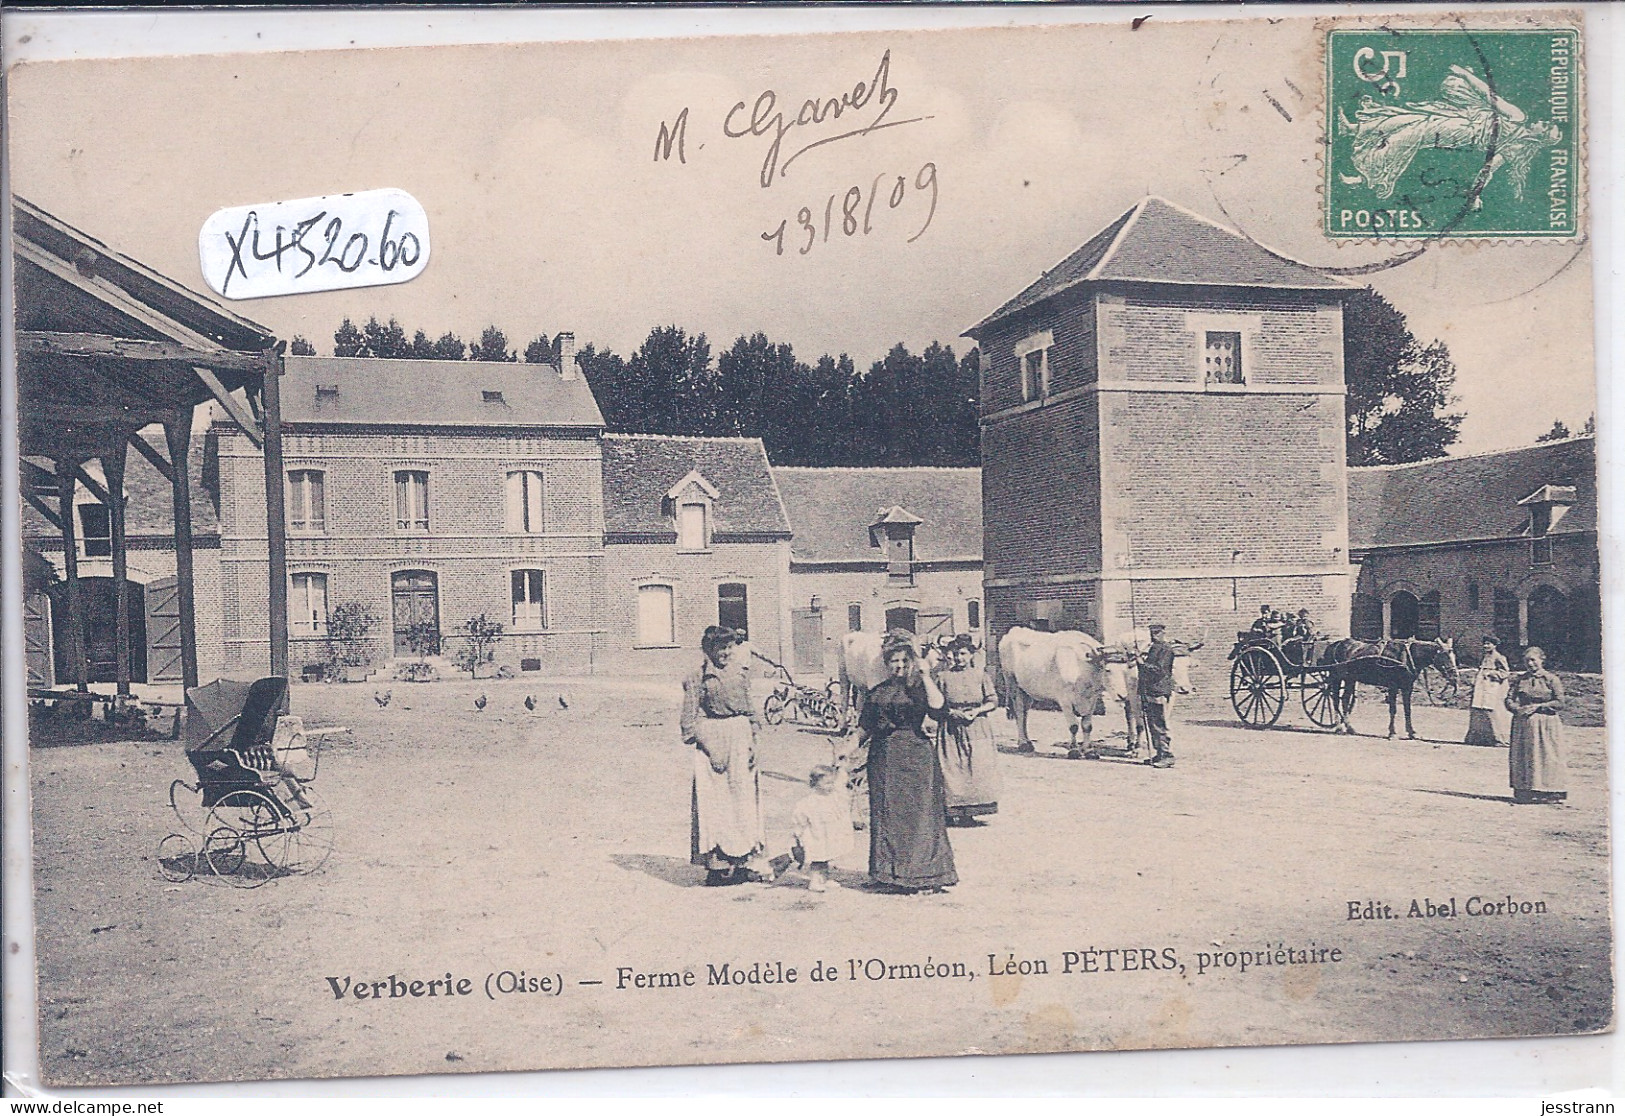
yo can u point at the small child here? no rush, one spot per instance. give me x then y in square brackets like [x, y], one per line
[822, 826]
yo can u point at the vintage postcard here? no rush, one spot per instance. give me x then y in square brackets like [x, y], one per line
[810, 547]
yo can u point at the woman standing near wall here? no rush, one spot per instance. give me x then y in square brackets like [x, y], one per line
[1487, 722]
[1536, 765]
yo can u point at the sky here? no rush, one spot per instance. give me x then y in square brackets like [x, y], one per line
[548, 210]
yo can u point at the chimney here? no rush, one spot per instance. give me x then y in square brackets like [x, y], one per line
[565, 345]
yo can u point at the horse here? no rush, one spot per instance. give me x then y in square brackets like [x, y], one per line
[1394, 666]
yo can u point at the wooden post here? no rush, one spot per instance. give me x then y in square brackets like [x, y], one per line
[70, 564]
[113, 470]
[178, 433]
[276, 524]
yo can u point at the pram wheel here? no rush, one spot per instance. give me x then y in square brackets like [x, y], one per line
[243, 823]
[177, 857]
[309, 833]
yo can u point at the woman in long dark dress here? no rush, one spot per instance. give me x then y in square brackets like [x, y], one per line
[908, 804]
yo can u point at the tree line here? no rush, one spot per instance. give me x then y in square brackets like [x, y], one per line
[908, 408]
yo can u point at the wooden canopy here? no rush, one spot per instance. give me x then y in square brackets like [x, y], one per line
[106, 348]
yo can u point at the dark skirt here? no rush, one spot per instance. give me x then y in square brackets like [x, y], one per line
[908, 831]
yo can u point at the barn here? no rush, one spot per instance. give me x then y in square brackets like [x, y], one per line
[877, 549]
[1501, 543]
[1163, 435]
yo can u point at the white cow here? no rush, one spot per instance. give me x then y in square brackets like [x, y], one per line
[1076, 671]
[1123, 679]
[1068, 668]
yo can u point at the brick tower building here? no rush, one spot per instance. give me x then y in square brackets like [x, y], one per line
[1163, 436]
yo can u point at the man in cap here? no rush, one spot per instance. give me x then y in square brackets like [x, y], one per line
[1156, 690]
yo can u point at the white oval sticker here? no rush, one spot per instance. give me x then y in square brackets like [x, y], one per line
[367, 239]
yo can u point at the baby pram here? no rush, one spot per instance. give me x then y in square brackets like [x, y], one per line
[253, 814]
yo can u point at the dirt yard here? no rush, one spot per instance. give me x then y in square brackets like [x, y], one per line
[555, 842]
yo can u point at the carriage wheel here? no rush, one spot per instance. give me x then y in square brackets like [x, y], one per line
[307, 837]
[1322, 698]
[1257, 688]
[241, 821]
[773, 709]
[177, 858]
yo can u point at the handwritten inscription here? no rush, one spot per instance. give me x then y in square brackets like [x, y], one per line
[791, 130]
[366, 239]
[855, 200]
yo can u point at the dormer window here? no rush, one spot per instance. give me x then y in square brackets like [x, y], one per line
[1547, 506]
[693, 526]
[689, 503]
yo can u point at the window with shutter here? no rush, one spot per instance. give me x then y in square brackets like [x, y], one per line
[524, 502]
[411, 500]
[529, 600]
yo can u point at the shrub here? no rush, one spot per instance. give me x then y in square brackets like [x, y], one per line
[423, 638]
[349, 637]
[480, 637]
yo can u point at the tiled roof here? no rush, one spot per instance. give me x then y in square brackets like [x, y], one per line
[378, 392]
[1160, 242]
[1456, 499]
[149, 509]
[831, 510]
[640, 470]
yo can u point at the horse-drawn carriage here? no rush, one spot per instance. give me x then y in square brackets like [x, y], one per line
[1265, 672]
[256, 815]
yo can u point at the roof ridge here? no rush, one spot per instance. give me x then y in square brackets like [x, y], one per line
[630, 435]
[1132, 215]
[1391, 466]
[882, 468]
[1235, 232]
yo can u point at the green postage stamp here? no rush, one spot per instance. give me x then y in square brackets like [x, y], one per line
[1452, 133]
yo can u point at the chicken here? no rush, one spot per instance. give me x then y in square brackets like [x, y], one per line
[479, 702]
[562, 703]
[382, 698]
[530, 701]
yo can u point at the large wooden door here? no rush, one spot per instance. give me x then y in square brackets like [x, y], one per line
[415, 597]
[1549, 624]
[164, 630]
[934, 625]
[37, 640]
[807, 640]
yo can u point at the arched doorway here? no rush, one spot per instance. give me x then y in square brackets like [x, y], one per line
[415, 601]
[1404, 613]
[1549, 623]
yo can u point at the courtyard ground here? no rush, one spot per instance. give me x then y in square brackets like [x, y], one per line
[555, 841]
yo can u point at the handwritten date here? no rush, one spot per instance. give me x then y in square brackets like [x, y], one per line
[852, 213]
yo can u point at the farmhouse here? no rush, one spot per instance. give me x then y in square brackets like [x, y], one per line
[1501, 543]
[878, 549]
[430, 492]
[694, 534]
[1163, 435]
